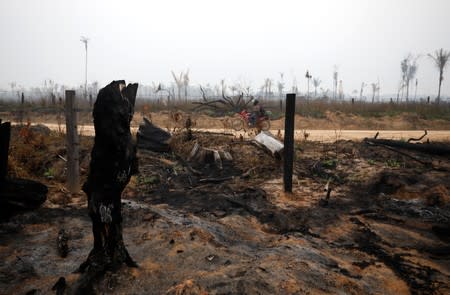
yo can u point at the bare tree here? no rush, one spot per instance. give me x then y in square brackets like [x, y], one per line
[341, 90]
[335, 81]
[415, 91]
[440, 58]
[161, 88]
[294, 85]
[361, 91]
[13, 86]
[223, 86]
[409, 69]
[324, 92]
[186, 84]
[400, 89]
[280, 85]
[179, 82]
[316, 83]
[374, 91]
[267, 87]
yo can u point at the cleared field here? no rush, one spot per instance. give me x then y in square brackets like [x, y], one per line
[313, 135]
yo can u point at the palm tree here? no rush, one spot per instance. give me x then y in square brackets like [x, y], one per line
[308, 77]
[440, 59]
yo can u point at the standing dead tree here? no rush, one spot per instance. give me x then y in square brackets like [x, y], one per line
[335, 82]
[361, 91]
[374, 91]
[179, 82]
[440, 58]
[280, 85]
[113, 161]
[186, 81]
[316, 83]
[224, 104]
[409, 70]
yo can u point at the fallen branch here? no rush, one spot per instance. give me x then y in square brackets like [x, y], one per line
[418, 139]
[215, 179]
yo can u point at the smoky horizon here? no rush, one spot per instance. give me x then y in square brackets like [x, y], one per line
[352, 47]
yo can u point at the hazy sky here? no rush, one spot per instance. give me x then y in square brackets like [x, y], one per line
[238, 40]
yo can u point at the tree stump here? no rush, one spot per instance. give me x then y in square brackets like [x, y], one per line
[113, 161]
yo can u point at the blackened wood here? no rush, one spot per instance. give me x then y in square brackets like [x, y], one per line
[20, 194]
[439, 149]
[113, 160]
[419, 138]
[73, 144]
[151, 137]
[5, 133]
[289, 141]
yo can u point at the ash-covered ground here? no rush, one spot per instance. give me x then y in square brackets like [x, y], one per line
[194, 228]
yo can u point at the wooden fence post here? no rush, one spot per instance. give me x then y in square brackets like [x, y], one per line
[73, 144]
[22, 109]
[289, 142]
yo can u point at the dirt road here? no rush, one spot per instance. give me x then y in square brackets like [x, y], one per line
[313, 135]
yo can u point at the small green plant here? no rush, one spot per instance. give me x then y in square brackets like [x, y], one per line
[393, 163]
[149, 180]
[371, 162]
[329, 163]
[49, 174]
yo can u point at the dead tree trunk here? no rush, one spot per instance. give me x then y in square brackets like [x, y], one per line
[113, 161]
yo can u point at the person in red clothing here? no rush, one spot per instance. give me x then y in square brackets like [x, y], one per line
[257, 111]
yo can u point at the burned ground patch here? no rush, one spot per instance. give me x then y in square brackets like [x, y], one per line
[197, 227]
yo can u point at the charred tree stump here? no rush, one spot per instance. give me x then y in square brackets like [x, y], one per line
[113, 161]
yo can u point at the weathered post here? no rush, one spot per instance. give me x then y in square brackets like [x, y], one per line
[22, 109]
[289, 142]
[73, 143]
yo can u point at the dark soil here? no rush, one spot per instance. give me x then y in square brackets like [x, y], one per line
[197, 229]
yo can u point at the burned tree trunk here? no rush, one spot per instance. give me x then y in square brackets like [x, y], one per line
[113, 161]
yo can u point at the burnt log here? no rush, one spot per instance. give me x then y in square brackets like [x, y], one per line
[438, 149]
[150, 137]
[16, 194]
[113, 161]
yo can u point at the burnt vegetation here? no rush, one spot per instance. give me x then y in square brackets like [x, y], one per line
[364, 217]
